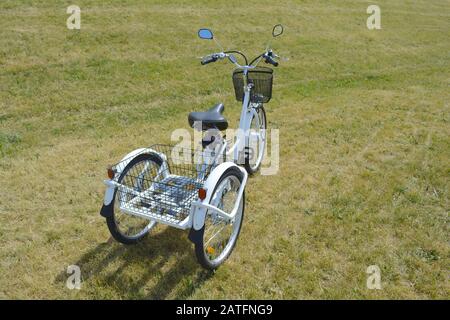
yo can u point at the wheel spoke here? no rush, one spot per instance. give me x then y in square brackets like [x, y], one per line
[215, 235]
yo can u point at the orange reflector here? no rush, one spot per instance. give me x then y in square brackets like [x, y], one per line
[202, 193]
[111, 173]
[210, 250]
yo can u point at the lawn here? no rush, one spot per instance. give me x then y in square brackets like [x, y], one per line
[363, 119]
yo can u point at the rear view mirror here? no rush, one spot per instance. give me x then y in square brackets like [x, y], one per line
[205, 34]
[277, 30]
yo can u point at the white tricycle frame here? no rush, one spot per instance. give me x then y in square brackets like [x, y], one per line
[212, 156]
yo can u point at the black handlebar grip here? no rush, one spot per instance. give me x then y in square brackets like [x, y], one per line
[208, 60]
[271, 61]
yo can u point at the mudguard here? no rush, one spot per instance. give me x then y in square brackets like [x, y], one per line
[199, 213]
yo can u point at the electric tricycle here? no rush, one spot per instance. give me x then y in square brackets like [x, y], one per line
[201, 189]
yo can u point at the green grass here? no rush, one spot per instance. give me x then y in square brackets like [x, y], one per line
[364, 146]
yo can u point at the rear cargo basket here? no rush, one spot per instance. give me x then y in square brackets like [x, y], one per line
[160, 182]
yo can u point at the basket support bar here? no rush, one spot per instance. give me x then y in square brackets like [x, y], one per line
[113, 183]
[185, 224]
[220, 212]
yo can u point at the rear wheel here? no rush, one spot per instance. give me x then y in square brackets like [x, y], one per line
[138, 175]
[218, 236]
[254, 151]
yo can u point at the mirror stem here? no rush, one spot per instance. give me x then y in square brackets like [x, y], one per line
[218, 44]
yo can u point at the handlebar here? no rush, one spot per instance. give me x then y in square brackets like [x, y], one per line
[268, 59]
[268, 56]
[209, 59]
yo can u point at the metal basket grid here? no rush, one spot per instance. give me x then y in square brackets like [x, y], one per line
[262, 80]
[160, 182]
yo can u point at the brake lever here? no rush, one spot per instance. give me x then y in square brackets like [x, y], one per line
[218, 55]
[274, 55]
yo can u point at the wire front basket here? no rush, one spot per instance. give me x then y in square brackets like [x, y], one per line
[160, 181]
[260, 77]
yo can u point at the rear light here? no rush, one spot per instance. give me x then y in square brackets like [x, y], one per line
[202, 193]
[111, 173]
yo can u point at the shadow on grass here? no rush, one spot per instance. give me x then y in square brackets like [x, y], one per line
[161, 266]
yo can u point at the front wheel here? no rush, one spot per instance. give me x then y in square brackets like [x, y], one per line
[256, 144]
[218, 237]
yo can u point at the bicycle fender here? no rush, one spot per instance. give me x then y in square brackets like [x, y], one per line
[130, 156]
[106, 210]
[109, 194]
[196, 235]
[199, 214]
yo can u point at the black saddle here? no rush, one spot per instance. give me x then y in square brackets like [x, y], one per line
[211, 119]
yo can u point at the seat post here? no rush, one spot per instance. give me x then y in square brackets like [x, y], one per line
[211, 136]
